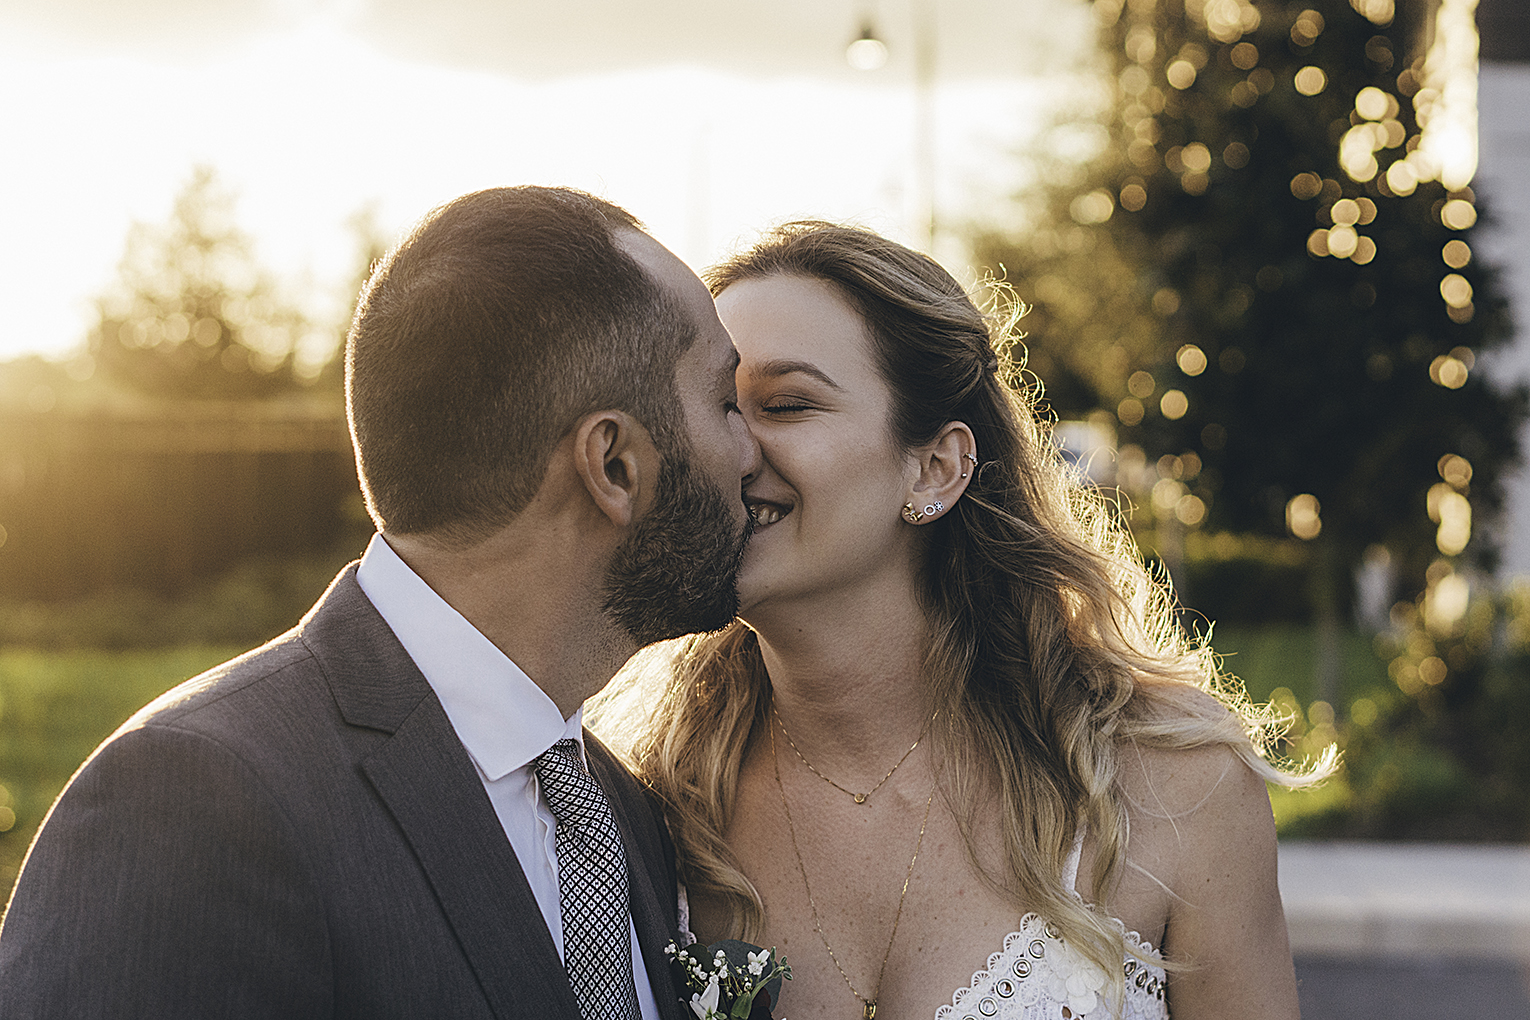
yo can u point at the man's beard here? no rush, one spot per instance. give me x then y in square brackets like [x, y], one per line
[677, 573]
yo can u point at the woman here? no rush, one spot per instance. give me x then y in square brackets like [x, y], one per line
[955, 729]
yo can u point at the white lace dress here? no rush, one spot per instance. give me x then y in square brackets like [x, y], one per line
[1038, 976]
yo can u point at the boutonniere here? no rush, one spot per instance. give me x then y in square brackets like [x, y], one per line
[728, 980]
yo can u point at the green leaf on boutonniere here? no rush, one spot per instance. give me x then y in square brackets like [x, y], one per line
[738, 956]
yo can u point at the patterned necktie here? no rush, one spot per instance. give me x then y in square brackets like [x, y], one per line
[592, 887]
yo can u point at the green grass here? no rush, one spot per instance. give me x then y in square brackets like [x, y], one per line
[55, 707]
[1269, 657]
[1279, 662]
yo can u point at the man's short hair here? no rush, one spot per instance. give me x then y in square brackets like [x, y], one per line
[481, 339]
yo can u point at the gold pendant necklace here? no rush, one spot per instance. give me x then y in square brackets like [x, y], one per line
[868, 1005]
[860, 798]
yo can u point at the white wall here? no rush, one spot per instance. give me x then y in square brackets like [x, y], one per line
[1503, 183]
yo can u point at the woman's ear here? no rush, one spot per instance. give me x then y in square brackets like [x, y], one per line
[946, 466]
[615, 458]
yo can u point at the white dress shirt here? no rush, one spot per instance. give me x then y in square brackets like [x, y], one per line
[502, 717]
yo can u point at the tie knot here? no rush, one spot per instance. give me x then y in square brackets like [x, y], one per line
[571, 792]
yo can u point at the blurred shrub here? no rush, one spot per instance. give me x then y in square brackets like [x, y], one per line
[246, 606]
[1246, 579]
[1442, 750]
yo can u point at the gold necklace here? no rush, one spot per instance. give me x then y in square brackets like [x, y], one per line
[868, 1006]
[860, 798]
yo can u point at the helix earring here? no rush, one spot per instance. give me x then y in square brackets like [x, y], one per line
[968, 456]
[912, 515]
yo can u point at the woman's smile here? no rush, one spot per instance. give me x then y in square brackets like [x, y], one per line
[813, 398]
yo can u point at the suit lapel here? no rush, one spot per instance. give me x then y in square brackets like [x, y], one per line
[429, 785]
[433, 792]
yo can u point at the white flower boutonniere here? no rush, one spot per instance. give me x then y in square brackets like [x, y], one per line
[729, 980]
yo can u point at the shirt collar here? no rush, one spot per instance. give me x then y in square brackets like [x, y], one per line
[501, 716]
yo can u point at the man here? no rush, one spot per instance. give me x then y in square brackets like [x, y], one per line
[386, 811]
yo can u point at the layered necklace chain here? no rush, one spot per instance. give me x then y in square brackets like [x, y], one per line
[860, 798]
[868, 1003]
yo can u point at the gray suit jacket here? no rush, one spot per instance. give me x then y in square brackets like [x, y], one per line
[300, 833]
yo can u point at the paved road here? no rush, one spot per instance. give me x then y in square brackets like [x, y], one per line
[1396, 931]
[1395, 989]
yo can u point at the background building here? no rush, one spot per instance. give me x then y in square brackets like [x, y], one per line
[1503, 99]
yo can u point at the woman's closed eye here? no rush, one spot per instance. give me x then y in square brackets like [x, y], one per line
[785, 407]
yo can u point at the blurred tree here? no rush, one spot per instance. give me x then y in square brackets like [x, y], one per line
[1264, 278]
[371, 245]
[192, 315]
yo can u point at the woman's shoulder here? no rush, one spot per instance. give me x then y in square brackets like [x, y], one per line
[1194, 810]
[1181, 782]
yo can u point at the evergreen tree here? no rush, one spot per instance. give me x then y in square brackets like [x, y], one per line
[192, 314]
[1262, 277]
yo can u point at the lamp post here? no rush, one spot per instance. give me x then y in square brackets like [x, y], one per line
[867, 52]
[924, 123]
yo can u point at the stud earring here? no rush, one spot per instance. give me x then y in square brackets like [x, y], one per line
[934, 508]
[911, 515]
[968, 456]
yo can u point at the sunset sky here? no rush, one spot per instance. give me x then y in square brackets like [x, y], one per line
[706, 125]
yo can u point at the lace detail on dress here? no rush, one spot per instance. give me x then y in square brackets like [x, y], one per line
[1038, 976]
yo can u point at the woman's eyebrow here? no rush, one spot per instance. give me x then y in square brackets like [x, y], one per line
[778, 368]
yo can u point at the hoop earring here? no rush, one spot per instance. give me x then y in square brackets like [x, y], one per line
[968, 456]
[911, 514]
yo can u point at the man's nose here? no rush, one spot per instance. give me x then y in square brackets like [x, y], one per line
[749, 448]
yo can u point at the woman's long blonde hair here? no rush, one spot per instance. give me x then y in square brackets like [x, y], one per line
[1051, 645]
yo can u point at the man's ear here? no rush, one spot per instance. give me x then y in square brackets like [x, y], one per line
[618, 463]
[946, 466]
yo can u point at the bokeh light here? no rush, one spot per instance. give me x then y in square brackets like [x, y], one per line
[1190, 510]
[1456, 470]
[1456, 290]
[1448, 371]
[1311, 80]
[1306, 185]
[1191, 360]
[1453, 513]
[1373, 104]
[1307, 27]
[1343, 241]
[1304, 516]
[1458, 214]
[1093, 208]
[1456, 253]
[1402, 178]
